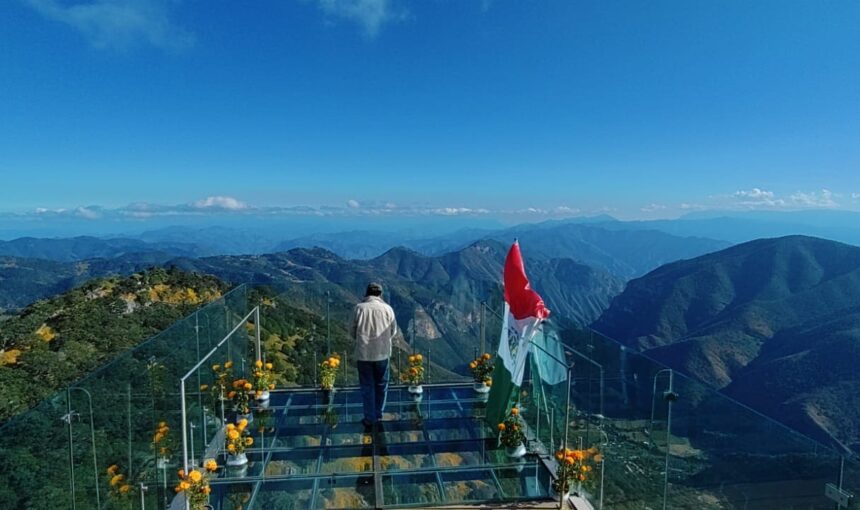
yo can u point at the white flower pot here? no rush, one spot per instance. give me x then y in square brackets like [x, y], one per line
[516, 452]
[237, 460]
[416, 390]
[263, 397]
[481, 388]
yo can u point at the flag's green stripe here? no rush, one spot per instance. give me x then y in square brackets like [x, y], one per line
[501, 394]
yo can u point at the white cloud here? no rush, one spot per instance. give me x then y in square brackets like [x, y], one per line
[453, 211]
[353, 204]
[824, 199]
[369, 14]
[118, 24]
[220, 202]
[855, 196]
[87, 213]
[757, 197]
[653, 208]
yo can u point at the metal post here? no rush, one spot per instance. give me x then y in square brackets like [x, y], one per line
[142, 496]
[191, 442]
[653, 403]
[668, 443]
[328, 321]
[93, 442]
[428, 364]
[184, 421]
[483, 326]
[257, 332]
[71, 449]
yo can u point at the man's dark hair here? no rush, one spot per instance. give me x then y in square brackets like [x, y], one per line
[374, 289]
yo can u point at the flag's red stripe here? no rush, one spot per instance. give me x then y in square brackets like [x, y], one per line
[523, 300]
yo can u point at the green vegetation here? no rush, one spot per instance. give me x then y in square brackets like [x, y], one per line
[54, 342]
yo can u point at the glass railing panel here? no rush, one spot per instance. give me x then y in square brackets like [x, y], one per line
[724, 455]
[35, 463]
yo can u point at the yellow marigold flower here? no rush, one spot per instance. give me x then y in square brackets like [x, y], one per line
[486, 355]
[116, 479]
[473, 365]
[204, 387]
[248, 386]
[502, 427]
[157, 437]
[419, 357]
[162, 424]
[205, 489]
[258, 364]
[269, 366]
[232, 394]
[124, 489]
[559, 455]
[230, 426]
[488, 382]
[229, 364]
[515, 411]
[184, 485]
[181, 473]
[258, 393]
[211, 465]
[111, 470]
[233, 434]
[216, 367]
[271, 386]
[249, 441]
[195, 476]
[231, 448]
[177, 489]
[243, 423]
[569, 461]
[411, 358]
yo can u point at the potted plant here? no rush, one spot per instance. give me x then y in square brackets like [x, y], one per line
[241, 397]
[574, 467]
[163, 444]
[511, 434]
[482, 369]
[195, 485]
[414, 374]
[264, 380]
[236, 440]
[328, 372]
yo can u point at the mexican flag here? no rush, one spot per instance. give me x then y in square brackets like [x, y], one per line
[524, 311]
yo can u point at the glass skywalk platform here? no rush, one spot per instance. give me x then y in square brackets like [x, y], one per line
[312, 452]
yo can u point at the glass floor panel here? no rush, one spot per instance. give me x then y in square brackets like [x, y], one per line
[312, 452]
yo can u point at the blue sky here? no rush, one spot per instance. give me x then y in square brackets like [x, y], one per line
[640, 109]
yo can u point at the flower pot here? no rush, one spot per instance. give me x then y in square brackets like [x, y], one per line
[239, 459]
[264, 397]
[416, 389]
[554, 494]
[481, 388]
[515, 452]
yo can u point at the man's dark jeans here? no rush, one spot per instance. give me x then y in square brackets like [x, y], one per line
[373, 377]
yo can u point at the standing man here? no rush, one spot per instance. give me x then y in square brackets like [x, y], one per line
[373, 328]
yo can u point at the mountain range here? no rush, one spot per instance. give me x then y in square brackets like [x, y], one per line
[774, 323]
